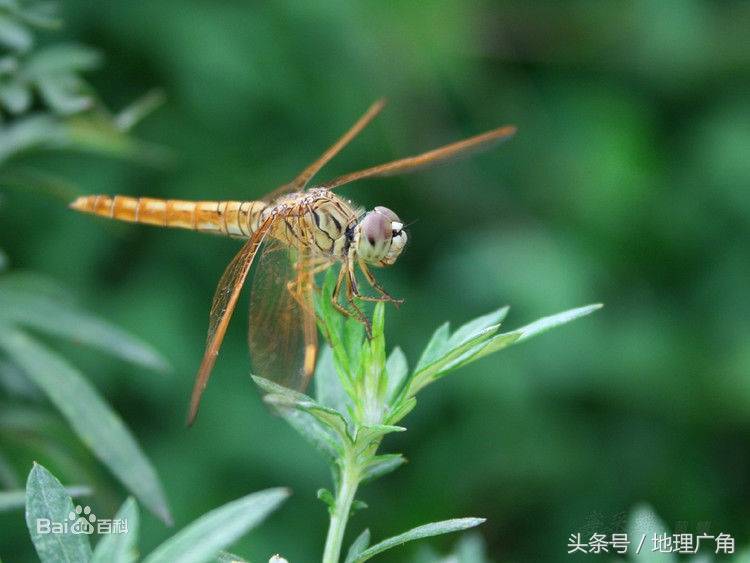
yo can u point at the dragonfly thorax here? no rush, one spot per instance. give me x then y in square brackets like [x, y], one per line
[379, 237]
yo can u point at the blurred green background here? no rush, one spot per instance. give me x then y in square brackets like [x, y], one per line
[628, 183]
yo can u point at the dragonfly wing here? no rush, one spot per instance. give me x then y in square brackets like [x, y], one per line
[442, 154]
[306, 175]
[282, 335]
[222, 307]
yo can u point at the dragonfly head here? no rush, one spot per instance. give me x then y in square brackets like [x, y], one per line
[380, 237]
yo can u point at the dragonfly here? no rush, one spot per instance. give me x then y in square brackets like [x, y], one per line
[294, 232]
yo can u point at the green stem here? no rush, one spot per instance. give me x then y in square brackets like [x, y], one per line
[350, 476]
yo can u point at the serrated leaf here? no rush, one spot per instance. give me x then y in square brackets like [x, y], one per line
[46, 499]
[13, 500]
[358, 546]
[425, 531]
[120, 548]
[46, 314]
[644, 522]
[398, 369]
[97, 425]
[204, 538]
[381, 465]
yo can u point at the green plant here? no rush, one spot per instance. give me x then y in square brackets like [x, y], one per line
[47, 500]
[362, 395]
[46, 104]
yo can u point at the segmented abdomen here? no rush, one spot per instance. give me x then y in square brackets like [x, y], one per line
[232, 218]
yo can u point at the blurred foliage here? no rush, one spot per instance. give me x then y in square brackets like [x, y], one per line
[627, 183]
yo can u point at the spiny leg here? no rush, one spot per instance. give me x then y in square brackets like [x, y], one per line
[357, 313]
[351, 293]
[384, 295]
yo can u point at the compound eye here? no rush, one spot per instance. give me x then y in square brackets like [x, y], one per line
[376, 228]
[387, 213]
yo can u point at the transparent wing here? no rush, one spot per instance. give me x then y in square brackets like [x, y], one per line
[306, 175]
[412, 163]
[222, 307]
[282, 335]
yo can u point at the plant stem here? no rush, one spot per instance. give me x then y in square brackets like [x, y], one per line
[350, 476]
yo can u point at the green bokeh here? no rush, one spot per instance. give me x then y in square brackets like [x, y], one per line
[628, 183]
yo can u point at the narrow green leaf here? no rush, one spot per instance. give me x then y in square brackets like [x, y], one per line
[397, 368]
[358, 546]
[204, 538]
[270, 387]
[329, 389]
[381, 465]
[50, 316]
[331, 418]
[64, 93]
[435, 347]
[280, 396]
[60, 58]
[138, 110]
[13, 500]
[319, 436]
[471, 549]
[366, 434]
[120, 548]
[432, 371]
[30, 132]
[8, 477]
[330, 322]
[400, 410]
[539, 326]
[357, 505]
[47, 503]
[14, 35]
[644, 522]
[226, 557]
[546, 323]
[327, 497]
[100, 428]
[476, 325]
[15, 97]
[426, 531]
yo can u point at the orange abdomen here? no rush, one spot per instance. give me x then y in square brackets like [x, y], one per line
[232, 218]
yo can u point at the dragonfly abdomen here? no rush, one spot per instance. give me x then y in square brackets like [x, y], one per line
[232, 218]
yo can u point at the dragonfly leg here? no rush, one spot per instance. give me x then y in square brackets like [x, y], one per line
[384, 295]
[355, 312]
[351, 292]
